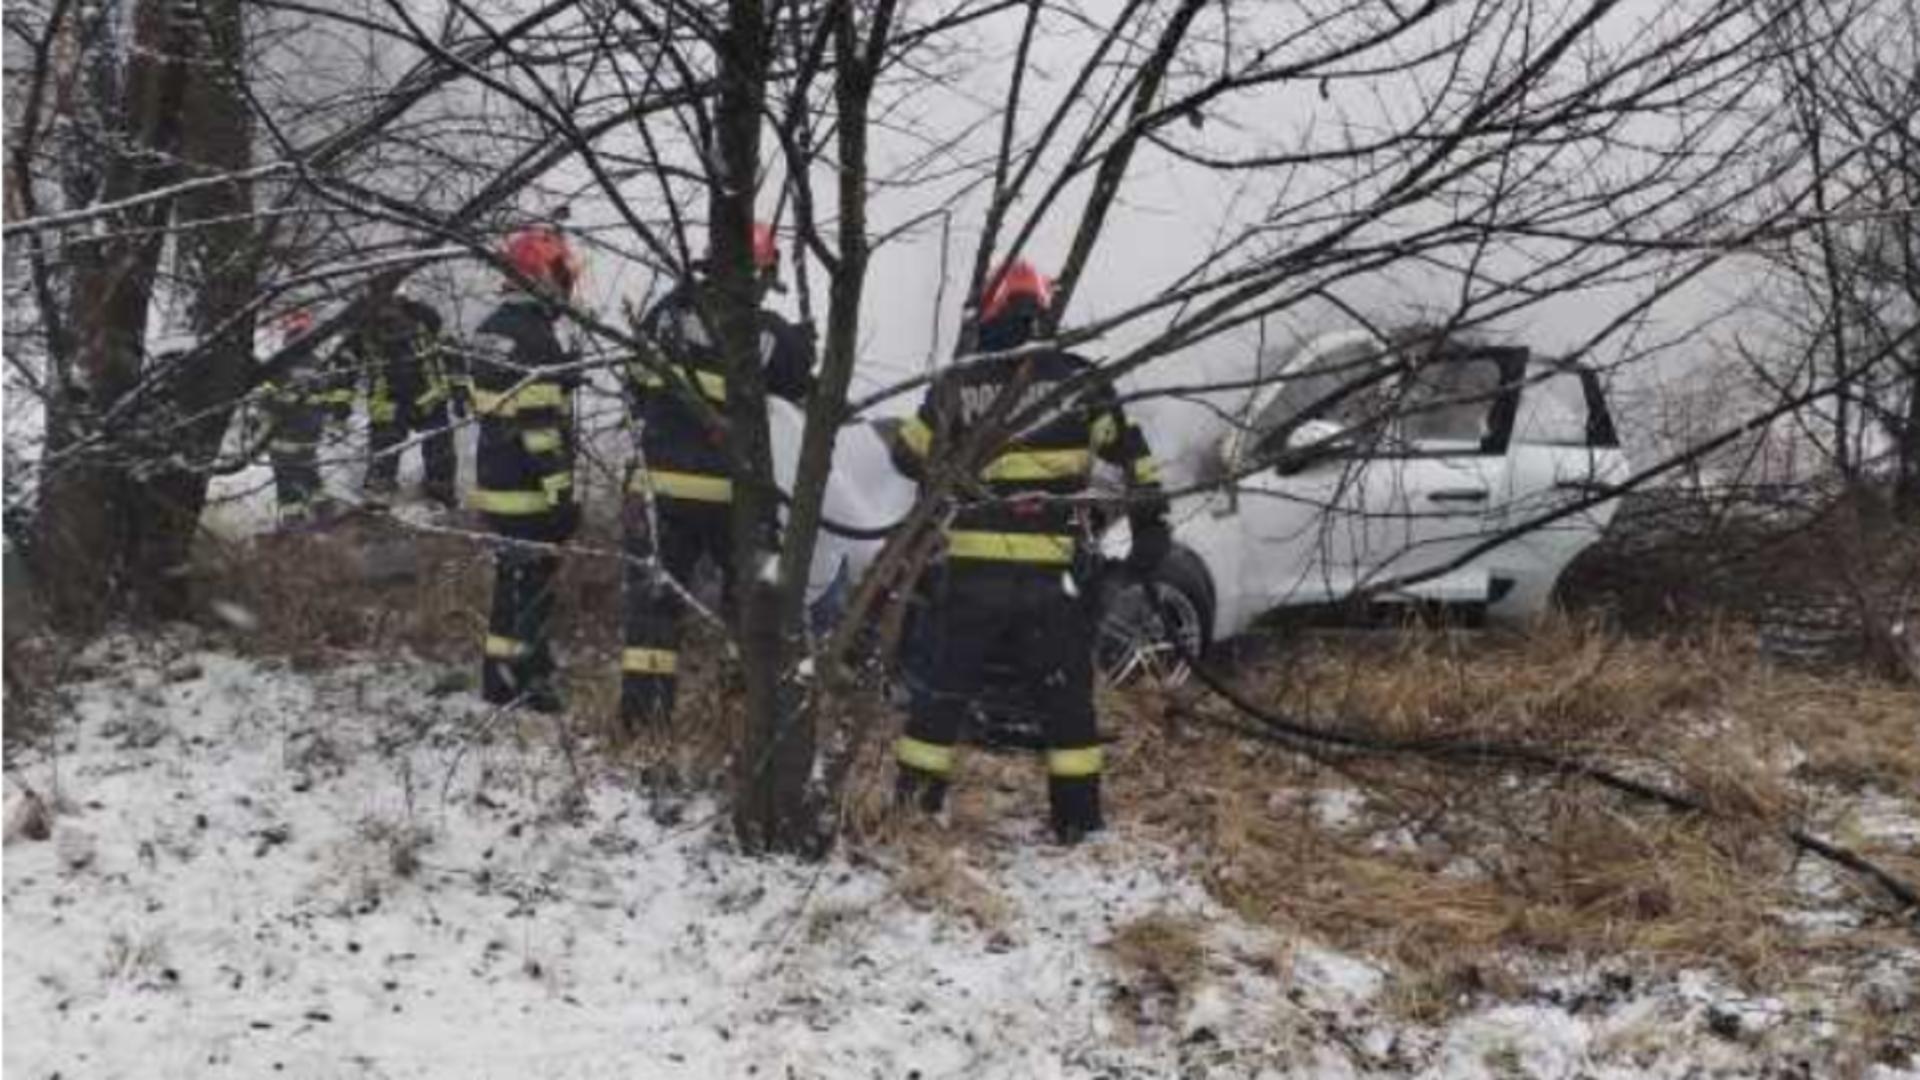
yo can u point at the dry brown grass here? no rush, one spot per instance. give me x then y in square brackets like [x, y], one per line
[1449, 868]
[933, 875]
[1160, 959]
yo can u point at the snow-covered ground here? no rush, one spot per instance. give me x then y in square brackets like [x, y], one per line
[258, 872]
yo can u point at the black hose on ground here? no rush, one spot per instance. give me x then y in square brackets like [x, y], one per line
[1315, 741]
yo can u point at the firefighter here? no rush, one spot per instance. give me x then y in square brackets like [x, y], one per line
[1017, 559]
[401, 358]
[523, 398]
[684, 478]
[294, 405]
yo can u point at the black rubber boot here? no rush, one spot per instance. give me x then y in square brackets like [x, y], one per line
[543, 696]
[1074, 807]
[646, 703]
[498, 684]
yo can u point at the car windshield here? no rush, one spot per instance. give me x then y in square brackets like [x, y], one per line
[1339, 385]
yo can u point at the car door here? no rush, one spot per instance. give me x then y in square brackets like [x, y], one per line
[1297, 509]
[1565, 461]
[1434, 488]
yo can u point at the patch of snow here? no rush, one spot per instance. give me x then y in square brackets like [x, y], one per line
[1338, 808]
[258, 872]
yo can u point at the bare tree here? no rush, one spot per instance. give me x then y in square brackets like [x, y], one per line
[1492, 160]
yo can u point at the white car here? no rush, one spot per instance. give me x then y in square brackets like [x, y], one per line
[1466, 476]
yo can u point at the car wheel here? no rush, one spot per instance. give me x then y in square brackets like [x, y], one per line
[1137, 635]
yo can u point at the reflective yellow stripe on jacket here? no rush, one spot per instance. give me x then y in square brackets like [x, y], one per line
[509, 503]
[917, 435]
[712, 384]
[540, 395]
[1039, 465]
[694, 487]
[1038, 548]
[1103, 431]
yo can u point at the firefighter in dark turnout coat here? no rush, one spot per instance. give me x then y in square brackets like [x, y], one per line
[523, 399]
[294, 405]
[1012, 554]
[684, 478]
[400, 357]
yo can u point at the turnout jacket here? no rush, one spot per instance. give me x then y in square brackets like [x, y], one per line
[1005, 517]
[685, 458]
[400, 356]
[523, 399]
[304, 385]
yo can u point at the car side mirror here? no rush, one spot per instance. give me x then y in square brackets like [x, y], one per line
[1309, 444]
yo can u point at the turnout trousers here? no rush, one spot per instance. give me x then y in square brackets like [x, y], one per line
[1025, 612]
[437, 457]
[518, 657]
[688, 530]
[294, 451]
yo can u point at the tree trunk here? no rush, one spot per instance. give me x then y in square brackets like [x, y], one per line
[219, 262]
[775, 761]
[86, 526]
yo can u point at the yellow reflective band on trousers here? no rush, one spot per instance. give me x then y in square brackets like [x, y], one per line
[541, 440]
[505, 648]
[540, 395]
[694, 487]
[649, 661]
[290, 446]
[1042, 549]
[509, 503]
[925, 756]
[554, 485]
[713, 385]
[917, 435]
[1039, 465]
[1073, 764]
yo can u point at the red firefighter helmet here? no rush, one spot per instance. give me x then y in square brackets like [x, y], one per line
[1017, 280]
[543, 255]
[766, 249]
[294, 323]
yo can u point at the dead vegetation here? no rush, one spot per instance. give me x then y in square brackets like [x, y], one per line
[1456, 877]
[1160, 959]
[1447, 869]
[1822, 576]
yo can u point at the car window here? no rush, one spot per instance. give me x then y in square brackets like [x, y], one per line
[1341, 385]
[1553, 409]
[1450, 400]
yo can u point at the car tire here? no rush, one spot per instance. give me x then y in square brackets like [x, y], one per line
[1133, 640]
